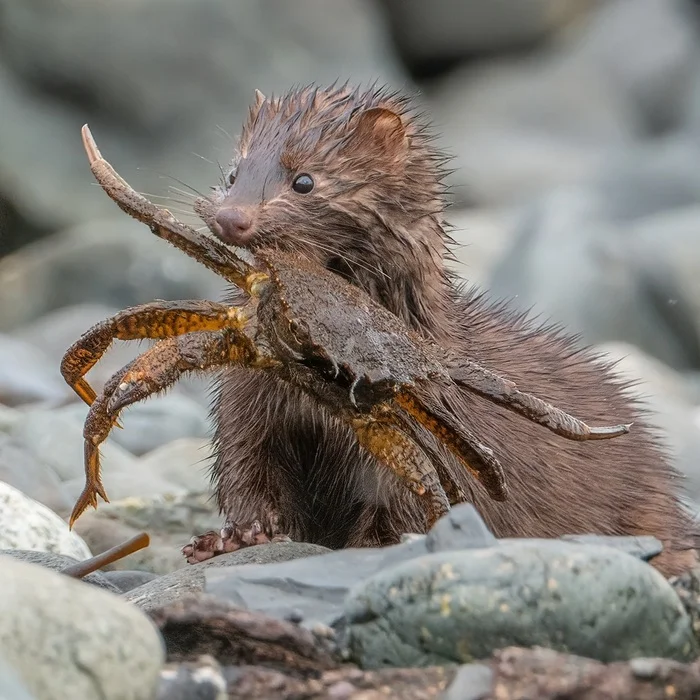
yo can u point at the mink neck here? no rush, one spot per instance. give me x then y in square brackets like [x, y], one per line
[414, 283]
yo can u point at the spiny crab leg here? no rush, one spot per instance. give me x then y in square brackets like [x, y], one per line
[155, 320]
[152, 372]
[479, 380]
[163, 224]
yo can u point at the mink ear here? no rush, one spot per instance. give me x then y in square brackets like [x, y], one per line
[380, 129]
[255, 107]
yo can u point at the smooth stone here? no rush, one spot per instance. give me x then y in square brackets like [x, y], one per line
[26, 376]
[11, 688]
[84, 642]
[462, 606]
[200, 680]
[56, 438]
[58, 562]
[127, 580]
[20, 468]
[643, 547]
[192, 578]
[461, 528]
[471, 682]
[184, 462]
[27, 524]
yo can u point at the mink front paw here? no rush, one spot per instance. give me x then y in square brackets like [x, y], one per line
[231, 538]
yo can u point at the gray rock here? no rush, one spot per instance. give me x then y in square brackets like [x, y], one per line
[598, 284]
[127, 580]
[27, 524]
[647, 52]
[192, 578]
[66, 639]
[56, 438]
[461, 606]
[472, 682]
[11, 688]
[200, 680]
[529, 124]
[30, 475]
[126, 67]
[461, 528]
[642, 547]
[184, 462]
[26, 376]
[115, 262]
[58, 562]
[451, 30]
[169, 520]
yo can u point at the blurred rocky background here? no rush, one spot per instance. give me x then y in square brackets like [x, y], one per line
[575, 127]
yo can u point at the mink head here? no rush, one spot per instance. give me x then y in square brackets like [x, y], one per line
[348, 178]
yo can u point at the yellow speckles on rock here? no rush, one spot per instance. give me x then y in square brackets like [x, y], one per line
[393, 592]
[670, 691]
[445, 600]
[504, 607]
[552, 584]
[447, 572]
[463, 651]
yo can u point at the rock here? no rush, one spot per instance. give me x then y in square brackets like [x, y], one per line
[56, 438]
[461, 606]
[201, 679]
[202, 625]
[125, 69]
[26, 524]
[687, 587]
[66, 639]
[598, 285]
[471, 682]
[25, 374]
[127, 580]
[461, 528]
[260, 683]
[169, 520]
[530, 124]
[114, 262]
[58, 562]
[192, 578]
[451, 31]
[651, 65]
[30, 475]
[543, 673]
[641, 547]
[10, 685]
[184, 462]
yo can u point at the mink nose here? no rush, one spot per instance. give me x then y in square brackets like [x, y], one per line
[234, 225]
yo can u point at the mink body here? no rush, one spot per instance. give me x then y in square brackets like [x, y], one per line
[375, 216]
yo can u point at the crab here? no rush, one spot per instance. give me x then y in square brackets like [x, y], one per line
[316, 331]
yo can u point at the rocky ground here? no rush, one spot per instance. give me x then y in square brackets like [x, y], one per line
[575, 127]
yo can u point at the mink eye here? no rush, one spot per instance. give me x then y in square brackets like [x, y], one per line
[231, 177]
[303, 184]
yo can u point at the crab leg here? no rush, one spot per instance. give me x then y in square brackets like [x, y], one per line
[475, 378]
[152, 372]
[399, 453]
[159, 319]
[476, 457]
[163, 224]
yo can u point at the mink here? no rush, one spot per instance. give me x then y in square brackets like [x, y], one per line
[351, 178]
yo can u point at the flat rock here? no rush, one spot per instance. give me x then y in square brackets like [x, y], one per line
[58, 562]
[27, 524]
[67, 639]
[127, 580]
[192, 578]
[460, 606]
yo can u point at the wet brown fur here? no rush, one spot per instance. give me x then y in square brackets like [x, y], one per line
[376, 217]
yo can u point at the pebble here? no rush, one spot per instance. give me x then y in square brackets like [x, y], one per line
[462, 606]
[27, 524]
[84, 642]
